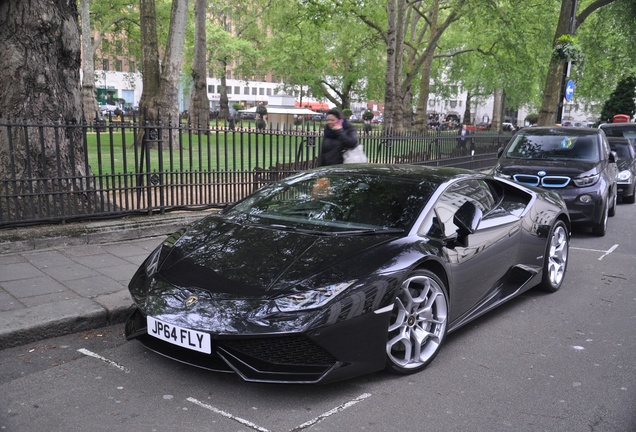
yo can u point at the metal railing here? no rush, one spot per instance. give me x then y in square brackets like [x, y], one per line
[55, 173]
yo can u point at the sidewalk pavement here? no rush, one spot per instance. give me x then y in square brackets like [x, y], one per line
[62, 279]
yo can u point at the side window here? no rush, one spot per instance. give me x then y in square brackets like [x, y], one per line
[440, 222]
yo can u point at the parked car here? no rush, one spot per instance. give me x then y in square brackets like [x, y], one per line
[575, 162]
[345, 270]
[107, 108]
[509, 127]
[482, 126]
[620, 130]
[626, 161]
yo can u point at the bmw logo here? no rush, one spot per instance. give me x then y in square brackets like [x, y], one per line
[541, 173]
[191, 300]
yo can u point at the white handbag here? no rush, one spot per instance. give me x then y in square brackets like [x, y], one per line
[355, 155]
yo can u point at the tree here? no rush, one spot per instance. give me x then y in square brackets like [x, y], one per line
[199, 102]
[621, 101]
[161, 81]
[40, 79]
[568, 24]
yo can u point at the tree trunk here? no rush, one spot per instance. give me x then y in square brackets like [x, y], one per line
[497, 110]
[171, 65]
[224, 108]
[553, 83]
[40, 80]
[89, 99]
[199, 101]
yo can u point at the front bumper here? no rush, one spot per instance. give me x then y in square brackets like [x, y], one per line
[586, 213]
[343, 350]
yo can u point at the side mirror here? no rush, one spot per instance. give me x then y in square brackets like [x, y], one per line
[613, 157]
[467, 218]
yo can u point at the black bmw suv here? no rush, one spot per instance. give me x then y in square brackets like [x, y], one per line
[574, 162]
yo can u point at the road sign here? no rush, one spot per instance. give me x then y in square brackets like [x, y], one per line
[569, 90]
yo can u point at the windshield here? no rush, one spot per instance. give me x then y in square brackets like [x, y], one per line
[621, 150]
[336, 202]
[624, 131]
[558, 147]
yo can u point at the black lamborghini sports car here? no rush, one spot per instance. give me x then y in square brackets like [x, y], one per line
[345, 270]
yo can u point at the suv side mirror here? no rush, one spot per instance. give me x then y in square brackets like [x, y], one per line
[613, 157]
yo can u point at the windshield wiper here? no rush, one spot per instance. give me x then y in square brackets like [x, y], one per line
[361, 232]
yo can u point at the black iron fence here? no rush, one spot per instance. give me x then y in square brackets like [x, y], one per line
[54, 173]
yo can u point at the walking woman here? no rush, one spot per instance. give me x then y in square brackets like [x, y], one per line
[340, 135]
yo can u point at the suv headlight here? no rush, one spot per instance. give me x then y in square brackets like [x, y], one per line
[586, 181]
[624, 175]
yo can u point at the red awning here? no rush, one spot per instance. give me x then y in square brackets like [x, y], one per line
[315, 106]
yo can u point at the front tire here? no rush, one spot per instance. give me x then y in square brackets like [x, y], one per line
[612, 209]
[601, 228]
[418, 323]
[556, 258]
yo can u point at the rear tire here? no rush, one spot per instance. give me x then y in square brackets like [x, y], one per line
[555, 262]
[418, 322]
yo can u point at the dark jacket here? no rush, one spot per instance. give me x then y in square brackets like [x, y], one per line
[335, 142]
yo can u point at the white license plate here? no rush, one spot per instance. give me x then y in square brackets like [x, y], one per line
[183, 337]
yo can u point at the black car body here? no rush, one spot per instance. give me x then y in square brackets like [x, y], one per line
[626, 161]
[620, 130]
[577, 163]
[346, 270]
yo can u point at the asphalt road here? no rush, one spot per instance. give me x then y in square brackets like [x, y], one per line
[543, 362]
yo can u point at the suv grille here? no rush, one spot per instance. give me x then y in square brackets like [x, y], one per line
[547, 181]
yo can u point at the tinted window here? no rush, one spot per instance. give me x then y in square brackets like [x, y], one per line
[338, 201]
[440, 222]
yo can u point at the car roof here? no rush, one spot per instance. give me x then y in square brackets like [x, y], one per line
[621, 126]
[558, 131]
[436, 175]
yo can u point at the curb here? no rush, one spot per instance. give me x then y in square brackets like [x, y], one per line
[25, 239]
[23, 326]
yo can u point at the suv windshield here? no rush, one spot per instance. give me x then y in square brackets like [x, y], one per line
[558, 147]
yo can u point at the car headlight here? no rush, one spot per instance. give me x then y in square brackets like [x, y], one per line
[311, 299]
[624, 175]
[586, 181]
[152, 262]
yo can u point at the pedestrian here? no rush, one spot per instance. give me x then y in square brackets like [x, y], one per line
[461, 137]
[340, 135]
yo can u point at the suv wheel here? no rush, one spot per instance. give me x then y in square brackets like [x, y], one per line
[601, 228]
[612, 210]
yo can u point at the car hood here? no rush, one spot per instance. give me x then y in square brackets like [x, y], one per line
[241, 261]
[570, 168]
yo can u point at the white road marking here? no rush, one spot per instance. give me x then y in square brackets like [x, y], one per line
[228, 415]
[296, 429]
[331, 412]
[605, 253]
[104, 359]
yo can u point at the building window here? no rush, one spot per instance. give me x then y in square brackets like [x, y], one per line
[254, 91]
[431, 103]
[453, 103]
[246, 90]
[118, 66]
[228, 74]
[210, 89]
[105, 64]
[229, 89]
[131, 66]
[237, 90]
[261, 91]
[269, 92]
